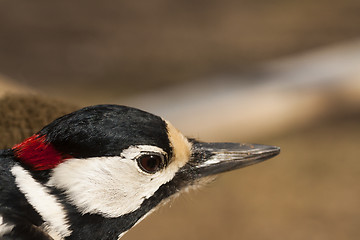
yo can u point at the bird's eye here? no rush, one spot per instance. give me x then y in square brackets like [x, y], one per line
[150, 163]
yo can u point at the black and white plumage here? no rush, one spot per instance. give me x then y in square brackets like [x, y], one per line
[96, 172]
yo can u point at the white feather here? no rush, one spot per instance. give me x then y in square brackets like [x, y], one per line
[134, 151]
[42, 201]
[110, 186]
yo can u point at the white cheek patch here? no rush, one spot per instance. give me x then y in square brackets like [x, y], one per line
[43, 202]
[110, 186]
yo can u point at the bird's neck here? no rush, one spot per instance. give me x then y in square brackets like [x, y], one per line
[47, 205]
[94, 226]
[15, 208]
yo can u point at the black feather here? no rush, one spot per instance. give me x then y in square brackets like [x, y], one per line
[106, 130]
[14, 207]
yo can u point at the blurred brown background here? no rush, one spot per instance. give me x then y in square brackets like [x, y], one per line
[285, 73]
[130, 46]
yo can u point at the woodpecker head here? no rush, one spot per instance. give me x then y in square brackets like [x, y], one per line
[118, 163]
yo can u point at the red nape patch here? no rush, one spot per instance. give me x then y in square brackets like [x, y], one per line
[38, 154]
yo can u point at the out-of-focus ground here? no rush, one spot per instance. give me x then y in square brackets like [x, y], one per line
[23, 114]
[88, 52]
[7, 87]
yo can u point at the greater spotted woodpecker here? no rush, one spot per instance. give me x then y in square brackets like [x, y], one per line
[96, 172]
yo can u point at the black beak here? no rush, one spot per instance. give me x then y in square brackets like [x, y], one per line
[213, 158]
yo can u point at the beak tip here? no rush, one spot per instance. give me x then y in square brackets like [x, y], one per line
[267, 151]
[275, 150]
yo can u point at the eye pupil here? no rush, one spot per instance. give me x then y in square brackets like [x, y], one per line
[150, 163]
